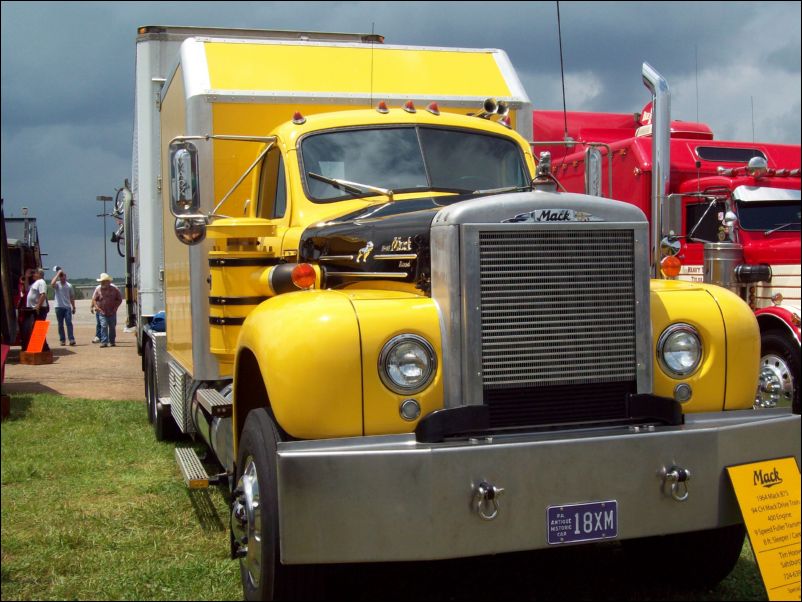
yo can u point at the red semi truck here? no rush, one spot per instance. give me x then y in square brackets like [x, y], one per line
[728, 212]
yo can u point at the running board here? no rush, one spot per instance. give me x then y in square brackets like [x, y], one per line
[195, 475]
[214, 403]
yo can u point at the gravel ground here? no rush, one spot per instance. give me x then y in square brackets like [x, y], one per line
[84, 370]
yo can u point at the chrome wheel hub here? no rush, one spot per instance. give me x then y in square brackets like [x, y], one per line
[246, 522]
[775, 384]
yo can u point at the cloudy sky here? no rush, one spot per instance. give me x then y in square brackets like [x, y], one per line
[68, 78]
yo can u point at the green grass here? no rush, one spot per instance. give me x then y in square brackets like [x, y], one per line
[93, 508]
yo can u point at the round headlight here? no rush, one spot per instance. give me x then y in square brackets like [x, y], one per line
[679, 350]
[407, 364]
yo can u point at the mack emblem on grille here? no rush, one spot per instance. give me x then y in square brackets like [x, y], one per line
[552, 215]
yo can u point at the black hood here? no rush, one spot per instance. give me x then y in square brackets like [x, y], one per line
[384, 242]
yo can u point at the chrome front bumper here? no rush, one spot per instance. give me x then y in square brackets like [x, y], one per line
[390, 498]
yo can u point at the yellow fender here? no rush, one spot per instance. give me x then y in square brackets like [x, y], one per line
[318, 352]
[726, 378]
[308, 351]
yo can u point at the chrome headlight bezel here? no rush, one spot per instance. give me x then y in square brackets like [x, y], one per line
[387, 356]
[679, 329]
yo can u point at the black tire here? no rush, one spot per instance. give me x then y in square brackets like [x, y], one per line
[271, 580]
[151, 392]
[164, 427]
[775, 344]
[700, 558]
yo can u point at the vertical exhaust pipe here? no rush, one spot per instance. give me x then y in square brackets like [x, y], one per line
[661, 161]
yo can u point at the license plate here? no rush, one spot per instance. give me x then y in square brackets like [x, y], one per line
[582, 522]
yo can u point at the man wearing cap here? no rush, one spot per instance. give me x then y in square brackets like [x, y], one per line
[106, 300]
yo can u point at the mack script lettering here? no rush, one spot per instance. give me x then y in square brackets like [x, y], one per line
[768, 479]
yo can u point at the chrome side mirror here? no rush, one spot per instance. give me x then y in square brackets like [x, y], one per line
[191, 230]
[670, 245]
[184, 189]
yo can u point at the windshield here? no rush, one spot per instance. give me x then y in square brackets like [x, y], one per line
[406, 159]
[769, 215]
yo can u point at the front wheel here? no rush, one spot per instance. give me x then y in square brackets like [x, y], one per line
[779, 372]
[254, 518]
[699, 558]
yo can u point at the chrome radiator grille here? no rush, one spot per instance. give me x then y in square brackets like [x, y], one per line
[557, 308]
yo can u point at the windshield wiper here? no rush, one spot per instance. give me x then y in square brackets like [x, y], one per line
[780, 227]
[352, 187]
[503, 189]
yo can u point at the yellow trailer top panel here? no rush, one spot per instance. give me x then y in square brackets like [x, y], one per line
[355, 70]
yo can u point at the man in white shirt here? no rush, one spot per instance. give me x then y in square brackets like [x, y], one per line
[37, 301]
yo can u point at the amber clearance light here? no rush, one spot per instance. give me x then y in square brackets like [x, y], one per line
[303, 276]
[670, 266]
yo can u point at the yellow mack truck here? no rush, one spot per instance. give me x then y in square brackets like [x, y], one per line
[397, 338]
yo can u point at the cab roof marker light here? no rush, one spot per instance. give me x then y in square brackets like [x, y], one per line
[409, 106]
[433, 108]
[757, 167]
[506, 121]
[298, 119]
[382, 107]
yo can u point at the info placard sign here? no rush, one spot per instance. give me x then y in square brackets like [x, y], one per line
[769, 496]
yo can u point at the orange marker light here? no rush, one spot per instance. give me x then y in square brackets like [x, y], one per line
[433, 108]
[409, 106]
[670, 266]
[298, 119]
[303, 276]
[382, 107]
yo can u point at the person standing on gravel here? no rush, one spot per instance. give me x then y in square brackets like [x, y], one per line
[106, 299]
[93, 310]
[65, 305]
[37, 301]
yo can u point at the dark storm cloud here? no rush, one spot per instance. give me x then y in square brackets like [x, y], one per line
[68, 73]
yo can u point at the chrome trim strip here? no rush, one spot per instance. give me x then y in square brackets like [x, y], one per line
[368, 274]
[395, 257]
[347, 98]
[195, 68]
[325, 258]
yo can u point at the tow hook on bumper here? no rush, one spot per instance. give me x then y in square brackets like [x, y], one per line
[678, 478]
[485, 500]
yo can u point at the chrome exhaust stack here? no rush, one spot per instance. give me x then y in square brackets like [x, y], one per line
[661, 160]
